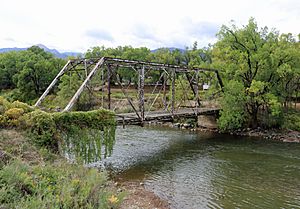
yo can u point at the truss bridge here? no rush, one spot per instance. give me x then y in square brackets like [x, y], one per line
[137, 91]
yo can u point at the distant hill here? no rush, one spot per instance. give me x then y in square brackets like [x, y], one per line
[170, 48]
[56, 53]
[64, 55]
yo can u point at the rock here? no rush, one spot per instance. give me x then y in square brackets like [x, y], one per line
[176, 125]
[186, 125]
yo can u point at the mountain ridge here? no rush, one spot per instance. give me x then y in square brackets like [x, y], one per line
[55, 52]
[65, 55]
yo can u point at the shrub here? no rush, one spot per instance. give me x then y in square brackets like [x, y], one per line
[59, 186]
[24, 106]
[3, 121]
[292, 121]
[42, 128]
[232, 103]
[4, 105]
[14, 113]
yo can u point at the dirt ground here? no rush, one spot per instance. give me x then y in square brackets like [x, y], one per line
[140, 198]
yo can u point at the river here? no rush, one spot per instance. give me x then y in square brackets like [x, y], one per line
[208, 170]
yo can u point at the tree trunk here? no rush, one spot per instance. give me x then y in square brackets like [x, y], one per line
[254, 118]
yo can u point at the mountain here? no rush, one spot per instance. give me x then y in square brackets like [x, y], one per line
[169, 48]
[56, 53]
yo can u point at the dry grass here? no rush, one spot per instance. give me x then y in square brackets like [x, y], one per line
[13, 144]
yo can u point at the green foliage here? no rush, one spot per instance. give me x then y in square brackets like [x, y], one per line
[3, 121]
[233, 103]
[54, 186]
[67, 88]
[183, 90]
[12, 116]
[11, 113]
[292, 120]
[4, 105]
[266, 63]
[80, 134]
[42, 128]
[28, 72]
[25, 107]
[94, 128]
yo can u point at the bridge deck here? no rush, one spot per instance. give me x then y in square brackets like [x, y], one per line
[132, 118]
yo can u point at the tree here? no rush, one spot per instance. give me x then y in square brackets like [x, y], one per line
[8, 68]
[255, 58]
[35, 73]
[233, 102]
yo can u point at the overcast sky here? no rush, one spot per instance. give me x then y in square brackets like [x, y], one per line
[72, 25]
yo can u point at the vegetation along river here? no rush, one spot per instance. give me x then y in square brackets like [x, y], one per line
[208, 170]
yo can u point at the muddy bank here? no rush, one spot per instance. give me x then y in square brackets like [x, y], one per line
[140, 198]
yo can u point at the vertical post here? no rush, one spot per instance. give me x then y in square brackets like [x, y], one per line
[141, 92]
[173, 92]
[102, 87]
[197, 91]
[164, 91]
[85, 68]
[108, 86]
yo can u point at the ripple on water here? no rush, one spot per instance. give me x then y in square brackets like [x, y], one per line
[209, 171]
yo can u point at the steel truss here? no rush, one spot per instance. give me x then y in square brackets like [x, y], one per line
[109, 66]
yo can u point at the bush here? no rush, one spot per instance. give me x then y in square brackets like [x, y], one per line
[14, 113]
[24, 106]
[42, 128]
[232, 103]
[60, 186]
[3, 121]
[4, 105]
[292, 121]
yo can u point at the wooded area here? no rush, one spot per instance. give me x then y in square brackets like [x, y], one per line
[260, 69]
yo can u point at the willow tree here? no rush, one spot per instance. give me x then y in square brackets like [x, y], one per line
[259, 59]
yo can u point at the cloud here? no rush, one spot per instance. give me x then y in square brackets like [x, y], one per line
[9, 40]
[143, 32]
[201, 29]
[99, 34]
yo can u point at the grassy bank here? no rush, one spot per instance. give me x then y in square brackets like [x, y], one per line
[31, 177]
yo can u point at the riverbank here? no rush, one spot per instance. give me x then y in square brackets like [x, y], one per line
[32, 177]
[138, 197]
[15, 148]
[271, 134]
[284, 135]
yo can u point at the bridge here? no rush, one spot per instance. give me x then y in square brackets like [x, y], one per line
[138, 91]
[132, 119]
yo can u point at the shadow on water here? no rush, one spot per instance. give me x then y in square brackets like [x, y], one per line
[208, 170]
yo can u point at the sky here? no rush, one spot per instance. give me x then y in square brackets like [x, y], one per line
[72, 25]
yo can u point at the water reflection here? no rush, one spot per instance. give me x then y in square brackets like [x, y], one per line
[209, 171]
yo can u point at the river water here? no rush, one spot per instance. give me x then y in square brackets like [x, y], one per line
[205, 170]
